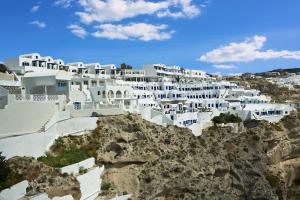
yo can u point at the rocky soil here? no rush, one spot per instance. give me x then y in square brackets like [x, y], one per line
[153, 162]
[43, 178]
[259, 161]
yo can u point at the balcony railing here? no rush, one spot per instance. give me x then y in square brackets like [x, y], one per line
[36, 97]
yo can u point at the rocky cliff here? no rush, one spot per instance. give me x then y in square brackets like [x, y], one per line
[255, 160]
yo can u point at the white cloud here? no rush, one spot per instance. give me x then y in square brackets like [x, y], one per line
[35, 8]
[63, 3]
[138, 31]
[77, 30]
[246, 51]
[187, 9]
[117, 10]
[222, 66]
[38, 23]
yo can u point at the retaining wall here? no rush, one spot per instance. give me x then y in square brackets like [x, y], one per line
[74, 168]
[15, 192]
[36, 144]
[90, 183]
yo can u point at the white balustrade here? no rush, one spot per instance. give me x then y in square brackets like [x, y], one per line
[36, 97]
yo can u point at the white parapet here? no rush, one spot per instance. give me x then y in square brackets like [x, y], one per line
[22, 145]
[44, 196]
[123, 197]
[15, 192]
[90, 183]
[67, 197]
[74, 168]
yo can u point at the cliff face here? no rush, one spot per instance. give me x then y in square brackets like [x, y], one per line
[153, 162]
[260, 161]
[257, 161]
[284, 157]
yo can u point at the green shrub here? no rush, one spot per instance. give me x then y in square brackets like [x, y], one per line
[226, 118]
[105, 186]
[4, 168]
[273, 180]
[95, 114]
[11, 180]
[82, 170]
[129, 116]
[8, 177]
[67, 158]
[58, 143]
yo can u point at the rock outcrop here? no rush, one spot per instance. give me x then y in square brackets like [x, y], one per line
[43, 178]
[258, 160]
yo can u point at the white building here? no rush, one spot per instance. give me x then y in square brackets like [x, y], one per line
[161, 70]
[160, 93]
[33, 62]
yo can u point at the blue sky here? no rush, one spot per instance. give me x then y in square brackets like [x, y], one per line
[227, 36]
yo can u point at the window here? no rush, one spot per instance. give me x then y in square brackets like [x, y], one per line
[25, 64]
[61, 84]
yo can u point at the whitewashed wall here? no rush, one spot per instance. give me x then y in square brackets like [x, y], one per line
[90, 183]
[22, 118]
[123, 197]
[3, 97]
[74, 168]
[36, 144]
[102, 111]
[15, 192]
[67, 197]
[156, 117]
[76, 125]
[44, 196]
[145, 112]
[76, 95]
[196, 129]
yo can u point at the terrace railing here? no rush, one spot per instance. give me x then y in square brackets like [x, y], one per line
[91, 106]
[36, 97]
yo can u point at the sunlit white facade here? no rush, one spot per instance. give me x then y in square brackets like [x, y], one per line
[167, 95]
